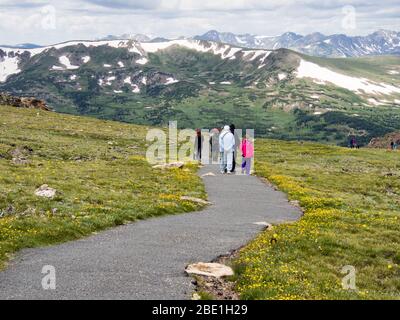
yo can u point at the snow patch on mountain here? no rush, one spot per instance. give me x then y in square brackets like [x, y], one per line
[109, 80]
[136, 89]
[282, 76]
[142, 61]
[359, 85]
[254, 54]
[66, 64]
[375, 102]
[8, 67]
[239, 40]
[171, 81]
[64, 60]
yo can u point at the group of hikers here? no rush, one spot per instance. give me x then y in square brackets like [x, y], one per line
[353, 143]
[225, 143]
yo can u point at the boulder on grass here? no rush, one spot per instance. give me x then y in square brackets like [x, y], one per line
[45, 192]
[214, 270]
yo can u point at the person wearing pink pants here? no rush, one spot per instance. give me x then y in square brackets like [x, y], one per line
[247, 149]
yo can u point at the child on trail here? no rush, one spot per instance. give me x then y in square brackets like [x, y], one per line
[247, 148]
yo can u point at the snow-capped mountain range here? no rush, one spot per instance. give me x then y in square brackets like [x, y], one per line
[382, 42]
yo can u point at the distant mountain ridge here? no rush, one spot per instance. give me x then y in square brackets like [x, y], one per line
[22, 46]
[382, 42]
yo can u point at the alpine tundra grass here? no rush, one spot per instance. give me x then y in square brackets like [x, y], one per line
[352, 217]
[98, 169]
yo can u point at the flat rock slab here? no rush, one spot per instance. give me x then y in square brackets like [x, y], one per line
[195, 200]
[208, 174]
[215, 270]
[147, 259]
[267, 225]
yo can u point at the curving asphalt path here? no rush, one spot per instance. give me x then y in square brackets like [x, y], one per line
[146, 260]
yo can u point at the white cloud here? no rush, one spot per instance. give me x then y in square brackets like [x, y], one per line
[21, 20]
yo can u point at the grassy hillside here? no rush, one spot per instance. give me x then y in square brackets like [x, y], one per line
[352, 215]
[99, 172]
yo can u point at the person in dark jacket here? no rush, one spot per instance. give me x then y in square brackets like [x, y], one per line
[236, 147]
[198, 145]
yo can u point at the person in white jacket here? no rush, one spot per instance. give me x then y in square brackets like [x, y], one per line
[226, 149]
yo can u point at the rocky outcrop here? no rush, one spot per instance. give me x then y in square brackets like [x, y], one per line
[20, 155]
[384, 142]
[30, 103]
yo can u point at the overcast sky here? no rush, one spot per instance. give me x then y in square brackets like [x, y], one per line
[50, 21]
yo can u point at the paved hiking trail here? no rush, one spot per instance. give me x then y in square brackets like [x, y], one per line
[146, 259]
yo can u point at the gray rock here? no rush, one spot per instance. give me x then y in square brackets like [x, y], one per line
[215, 270]
[267, 225]
[196, 200]
[169, 165]
[46, 192]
